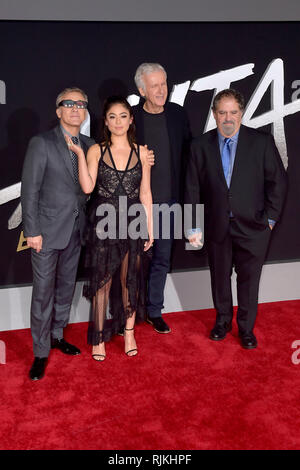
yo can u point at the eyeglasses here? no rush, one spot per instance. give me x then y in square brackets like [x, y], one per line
[80, 104]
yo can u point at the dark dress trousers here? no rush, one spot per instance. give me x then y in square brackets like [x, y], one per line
[53, 205]
[237, 230]
[179, 140]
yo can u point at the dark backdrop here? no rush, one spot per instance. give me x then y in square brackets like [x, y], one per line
[39, 59]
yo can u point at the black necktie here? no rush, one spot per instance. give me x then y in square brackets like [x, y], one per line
[74, 160]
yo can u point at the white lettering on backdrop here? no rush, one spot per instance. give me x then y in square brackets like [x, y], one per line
[273, 78]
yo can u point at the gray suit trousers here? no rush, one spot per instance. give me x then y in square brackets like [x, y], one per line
[54, 278]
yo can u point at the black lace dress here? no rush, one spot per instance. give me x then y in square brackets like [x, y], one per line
[115, 263]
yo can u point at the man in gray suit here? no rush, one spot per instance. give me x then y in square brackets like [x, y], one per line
[53, 219]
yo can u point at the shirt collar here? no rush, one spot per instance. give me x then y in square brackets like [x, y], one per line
[64, 131]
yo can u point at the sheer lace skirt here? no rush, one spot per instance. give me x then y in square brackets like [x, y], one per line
[116, 273]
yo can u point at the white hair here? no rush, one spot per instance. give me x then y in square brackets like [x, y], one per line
[145, 69]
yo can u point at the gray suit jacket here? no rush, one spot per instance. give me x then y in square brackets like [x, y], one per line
[49, 196]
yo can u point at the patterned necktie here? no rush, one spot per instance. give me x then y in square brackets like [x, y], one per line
[74, 160]
[226, 160]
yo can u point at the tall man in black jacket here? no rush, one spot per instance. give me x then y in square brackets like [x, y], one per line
[238, 173]
[164, 128]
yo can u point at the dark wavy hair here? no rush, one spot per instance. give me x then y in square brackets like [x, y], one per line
[229, 93]
[109, 102]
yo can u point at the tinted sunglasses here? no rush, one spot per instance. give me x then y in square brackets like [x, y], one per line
[70, 103]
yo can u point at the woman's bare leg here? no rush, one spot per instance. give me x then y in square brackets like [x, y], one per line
[100, 303]
[130, 343]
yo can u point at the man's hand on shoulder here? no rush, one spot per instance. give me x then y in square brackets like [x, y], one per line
[148, 155]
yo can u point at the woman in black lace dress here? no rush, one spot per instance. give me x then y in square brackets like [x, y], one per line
[118, 173]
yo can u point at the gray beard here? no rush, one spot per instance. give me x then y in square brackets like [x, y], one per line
[228, 130]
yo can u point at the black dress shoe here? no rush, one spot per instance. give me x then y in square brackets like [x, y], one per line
[65, 347]
[219, 332]
[159, 324]
[248, 341]
[38, 367]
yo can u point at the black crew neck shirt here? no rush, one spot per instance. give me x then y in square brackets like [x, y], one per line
[157, 139]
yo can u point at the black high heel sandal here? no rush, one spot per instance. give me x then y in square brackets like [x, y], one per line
[130, 350]
[98, 357]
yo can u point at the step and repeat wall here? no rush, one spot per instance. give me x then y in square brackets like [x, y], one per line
[39, 59]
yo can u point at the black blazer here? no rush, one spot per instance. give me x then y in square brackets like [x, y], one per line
[179, 136]
[49, 195]
[257, 189]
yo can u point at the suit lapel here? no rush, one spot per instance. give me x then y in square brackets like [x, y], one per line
[170, 127]
[241, 150]
[216, 156]
[63, 150]
[139, 122]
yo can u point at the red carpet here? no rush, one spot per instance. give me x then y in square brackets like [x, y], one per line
[182, 391]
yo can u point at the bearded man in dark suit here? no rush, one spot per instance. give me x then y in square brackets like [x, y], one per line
[238, 173]
[53, 206]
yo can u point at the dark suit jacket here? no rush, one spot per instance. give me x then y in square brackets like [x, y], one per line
[257, 189]
[49, 195]
[179, 136]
